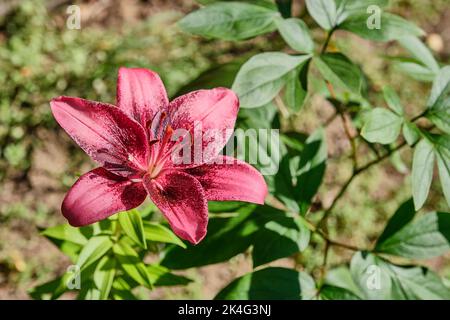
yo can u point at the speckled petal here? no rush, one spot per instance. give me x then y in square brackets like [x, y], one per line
[181, 199]
[104, 132]
[140, 94]
[232, 179]
[98, 194]
[213, 111]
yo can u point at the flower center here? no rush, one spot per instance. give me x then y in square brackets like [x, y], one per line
[162, 144]
[160, 133]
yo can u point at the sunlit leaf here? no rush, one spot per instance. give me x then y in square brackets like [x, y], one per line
[296, 34]
[104, 276]
[381, 126]
[95, 248]
[379, 279]
[132, 264]
[439, 101]
[131, 223]
[391, 27]
[156, 232]
[427, 237]
[262, 77]
[323, 11]
[230, 21]
[422, 172]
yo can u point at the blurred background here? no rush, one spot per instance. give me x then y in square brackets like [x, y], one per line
[40, 58]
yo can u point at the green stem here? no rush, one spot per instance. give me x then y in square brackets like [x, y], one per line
[330, 241]
[327, 41]
[356, 172]
[424, 113]
[360, 170]
[351, 140]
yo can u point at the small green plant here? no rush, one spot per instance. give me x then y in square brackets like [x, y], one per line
[108, 258]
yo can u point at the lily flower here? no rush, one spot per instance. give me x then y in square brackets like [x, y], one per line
[133, 143]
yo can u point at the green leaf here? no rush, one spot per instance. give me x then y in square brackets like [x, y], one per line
[280, 238]
[379, 279]
[262, 3]
[404, 214]
[89, 292]
[393, 100]
[131, 223]
[132, 264]
[341, 277]
[230, 21]
[162, 276]
[398, 163]
[410, 132]
[261, 148]
[422, 172]
[439, 101]
[121, 290]
[218, 76]
[296, 34]
[300, 174]
[442, 151]
[69, 248]
[156, 232]
[229, 207]
[328, 292]
[425, 238]
[341, 72]
[244, 229]
[270, 283]
[414, 69]
[296, 88]
[94, 249]
[147, 211]
[284, 7]
[264, 117]
[392, 27]
[104, 276]
[346, 8]
[311, 169]
[105, 226]
[262, 77]
[284, 189]
[52, 289]
[420, 52]
[324, 12]
[381, 126]
[294, 141]
[216, 246]
[65, 232]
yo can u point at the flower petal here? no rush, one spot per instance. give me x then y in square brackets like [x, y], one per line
[98, 194]
[181, 199]
[140, 94]
[104, 132]
[213, 114]
[230, 179]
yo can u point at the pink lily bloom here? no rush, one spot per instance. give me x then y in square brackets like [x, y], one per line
[132, 143]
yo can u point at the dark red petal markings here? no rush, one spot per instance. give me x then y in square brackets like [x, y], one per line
[214, 111]
[104, 132]
[230, 180]
[98, 194]
[140, 94]
[181, 199]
